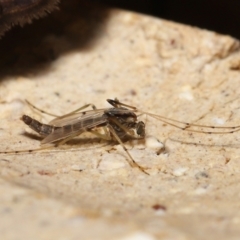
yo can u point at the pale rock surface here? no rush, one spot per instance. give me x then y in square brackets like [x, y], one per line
[91, 192]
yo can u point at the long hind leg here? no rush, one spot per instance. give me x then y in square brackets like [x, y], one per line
[132, 162]
[54, 115]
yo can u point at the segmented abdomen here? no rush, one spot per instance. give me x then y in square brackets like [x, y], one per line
[42, 129]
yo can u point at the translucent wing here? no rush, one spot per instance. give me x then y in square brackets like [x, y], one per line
[73, 118]
[73, 130]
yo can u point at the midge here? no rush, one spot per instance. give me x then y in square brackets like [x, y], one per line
[119, 122]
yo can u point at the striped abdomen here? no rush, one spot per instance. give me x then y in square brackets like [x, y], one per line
[42, 129]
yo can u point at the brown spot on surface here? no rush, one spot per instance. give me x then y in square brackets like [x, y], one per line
[46, 172]
[159, 207]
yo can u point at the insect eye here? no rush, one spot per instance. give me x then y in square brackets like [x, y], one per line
[140, 129]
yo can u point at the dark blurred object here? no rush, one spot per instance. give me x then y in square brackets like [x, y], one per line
[221, 16]
[77, 25]
[20, 12]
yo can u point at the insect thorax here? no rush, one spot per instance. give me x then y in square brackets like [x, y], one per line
[124, 122]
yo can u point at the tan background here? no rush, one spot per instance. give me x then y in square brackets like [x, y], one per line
[91, 192]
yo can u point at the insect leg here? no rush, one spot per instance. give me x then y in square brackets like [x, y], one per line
[79, 109]
[133, 164]
[115, 103]
[125, 129]
[28, 150]
[54, 115]
[190, 126]
[104, 136]
[38, 109]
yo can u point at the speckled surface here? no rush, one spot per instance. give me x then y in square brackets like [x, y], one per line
[88, 191]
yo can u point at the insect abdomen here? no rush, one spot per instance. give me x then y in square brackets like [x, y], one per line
[42, 129]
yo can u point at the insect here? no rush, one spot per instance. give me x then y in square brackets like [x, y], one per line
[118, 123]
